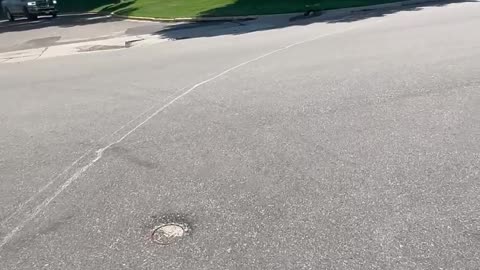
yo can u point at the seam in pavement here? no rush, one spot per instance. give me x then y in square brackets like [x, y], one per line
[41, 190]
[99, 153]
[87, 152]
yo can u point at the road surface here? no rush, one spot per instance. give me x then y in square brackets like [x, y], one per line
[324, 144]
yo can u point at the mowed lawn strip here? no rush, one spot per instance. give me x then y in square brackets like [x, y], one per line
[197, 8]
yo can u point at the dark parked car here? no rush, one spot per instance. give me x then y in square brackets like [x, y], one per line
[29, 8]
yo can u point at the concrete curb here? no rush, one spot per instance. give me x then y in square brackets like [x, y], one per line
[198, 19]
[333, 12]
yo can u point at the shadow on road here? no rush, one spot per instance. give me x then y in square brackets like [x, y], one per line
[211, 29]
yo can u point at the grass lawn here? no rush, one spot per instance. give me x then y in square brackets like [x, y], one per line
[194, 8]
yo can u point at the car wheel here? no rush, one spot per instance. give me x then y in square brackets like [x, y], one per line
[29, 15]
[10, 17]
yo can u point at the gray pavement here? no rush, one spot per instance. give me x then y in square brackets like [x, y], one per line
[320, 145]
[24, 34]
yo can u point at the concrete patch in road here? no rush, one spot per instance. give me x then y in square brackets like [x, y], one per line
[20, 56]
[22, 53]
[123, 42]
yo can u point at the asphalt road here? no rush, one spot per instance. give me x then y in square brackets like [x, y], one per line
[351, 144]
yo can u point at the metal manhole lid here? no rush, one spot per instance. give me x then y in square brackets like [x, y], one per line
[167, 234]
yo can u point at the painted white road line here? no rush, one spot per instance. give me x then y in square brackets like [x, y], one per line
[21, 206]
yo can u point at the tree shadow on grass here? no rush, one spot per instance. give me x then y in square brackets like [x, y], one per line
[83, 5]
[212, 29]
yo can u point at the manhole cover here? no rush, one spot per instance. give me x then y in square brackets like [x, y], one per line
[168, 233]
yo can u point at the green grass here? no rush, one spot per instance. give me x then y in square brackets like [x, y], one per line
[195, 8]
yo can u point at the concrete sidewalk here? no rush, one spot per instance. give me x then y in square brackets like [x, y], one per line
[67, 29]
[117, 43]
